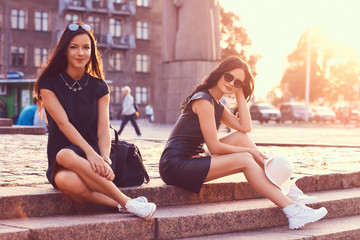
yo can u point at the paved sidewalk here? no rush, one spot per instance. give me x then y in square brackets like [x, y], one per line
[23, 160]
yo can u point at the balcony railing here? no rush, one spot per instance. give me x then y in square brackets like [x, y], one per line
[105, 6]
[122, 42]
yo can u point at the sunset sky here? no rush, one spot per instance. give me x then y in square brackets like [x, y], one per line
[274, 26]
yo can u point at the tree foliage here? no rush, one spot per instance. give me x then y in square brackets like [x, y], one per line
[234, 39]
[334, 69]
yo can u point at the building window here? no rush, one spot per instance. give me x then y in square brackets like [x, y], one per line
[95, 23]
[117, 94]
[17, 56]
[142, 30]
[115, 27]
[71, 18]
[42, 21]
[75, 3]
[143, 3]
[112, 99]
[17, 19]
[115, 61]
[40, 56]
[142, 63]
[141, 95]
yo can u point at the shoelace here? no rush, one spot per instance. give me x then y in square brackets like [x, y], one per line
[303, 208]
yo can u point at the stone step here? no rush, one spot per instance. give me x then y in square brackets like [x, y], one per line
[17, 129]
[181, 221]
[6, 122]
[47, 201]
[335, 228]
[234, 216]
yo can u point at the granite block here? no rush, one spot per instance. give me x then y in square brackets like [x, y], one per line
[6, 122]
[11, 233]
[99, 226]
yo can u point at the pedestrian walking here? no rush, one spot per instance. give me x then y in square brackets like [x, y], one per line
[186, 163]
[128, 111]
[73, 90]
[149, 111]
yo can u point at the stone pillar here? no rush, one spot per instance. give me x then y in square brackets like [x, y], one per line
[191, 49]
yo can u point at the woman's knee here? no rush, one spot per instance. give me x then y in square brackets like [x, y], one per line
[246, 160]
[65, 157]
[238, 139]
[70, 183]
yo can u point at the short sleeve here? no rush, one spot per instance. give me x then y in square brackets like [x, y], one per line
[201, 95]
[46, 83]
[102, 89]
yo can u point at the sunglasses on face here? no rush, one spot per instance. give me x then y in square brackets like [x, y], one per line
[74, 26]
[228, 77]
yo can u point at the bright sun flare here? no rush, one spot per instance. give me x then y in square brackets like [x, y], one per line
[275, 28]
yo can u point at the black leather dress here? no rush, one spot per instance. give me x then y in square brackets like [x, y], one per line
[177, 165]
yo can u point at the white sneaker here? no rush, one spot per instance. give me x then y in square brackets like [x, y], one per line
[298, 215]
[141, 199]
[297, 196]
[143, 210]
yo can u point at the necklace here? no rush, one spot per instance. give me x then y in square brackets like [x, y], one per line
[73, 87]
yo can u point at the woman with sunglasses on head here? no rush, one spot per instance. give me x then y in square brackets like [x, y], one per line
[184, 162]
[73, 91]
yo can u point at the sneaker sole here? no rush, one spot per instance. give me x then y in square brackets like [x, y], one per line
[302, 224]
[141, 199]
[153, 209]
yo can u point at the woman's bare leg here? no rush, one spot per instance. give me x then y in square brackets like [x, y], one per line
[238, 139]
[224, 165]
[71, 161]
[71, 184]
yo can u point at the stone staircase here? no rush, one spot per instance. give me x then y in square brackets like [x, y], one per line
[224, 209]
[7, 127]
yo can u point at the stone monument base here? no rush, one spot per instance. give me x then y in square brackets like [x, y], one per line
[175, 81]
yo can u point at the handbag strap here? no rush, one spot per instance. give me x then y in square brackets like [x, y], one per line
[116, 134]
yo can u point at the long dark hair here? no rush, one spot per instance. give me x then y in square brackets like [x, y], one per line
[225, 65]
[58, 60]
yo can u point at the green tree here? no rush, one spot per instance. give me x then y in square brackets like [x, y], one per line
[234, 39]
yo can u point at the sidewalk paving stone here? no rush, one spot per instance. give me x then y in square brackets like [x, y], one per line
[23, 160]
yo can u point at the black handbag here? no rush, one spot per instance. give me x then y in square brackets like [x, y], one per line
[127, 164]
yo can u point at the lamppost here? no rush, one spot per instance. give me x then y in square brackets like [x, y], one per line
[307, 80]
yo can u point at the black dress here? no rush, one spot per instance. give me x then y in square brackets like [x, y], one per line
[177, 166]
[81, 109]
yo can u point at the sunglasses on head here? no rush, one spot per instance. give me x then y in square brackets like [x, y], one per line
[75, 26]
[228, 77]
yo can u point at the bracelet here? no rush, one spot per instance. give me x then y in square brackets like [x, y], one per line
[107, 160]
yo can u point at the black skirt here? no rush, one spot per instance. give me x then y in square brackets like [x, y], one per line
[184, 171]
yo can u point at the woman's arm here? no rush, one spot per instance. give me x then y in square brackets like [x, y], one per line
[205, 113]
[241, 123]
[57, 112]
[103, 132]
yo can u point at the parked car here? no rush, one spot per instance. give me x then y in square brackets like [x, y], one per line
[323, 114]
[264, 112]
[294, 111]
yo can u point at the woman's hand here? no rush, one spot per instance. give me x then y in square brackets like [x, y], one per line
[109, 174]
[258, 156]
[97, 163]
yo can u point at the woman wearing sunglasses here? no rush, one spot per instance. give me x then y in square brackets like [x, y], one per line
[185, 163]
[73, 91]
